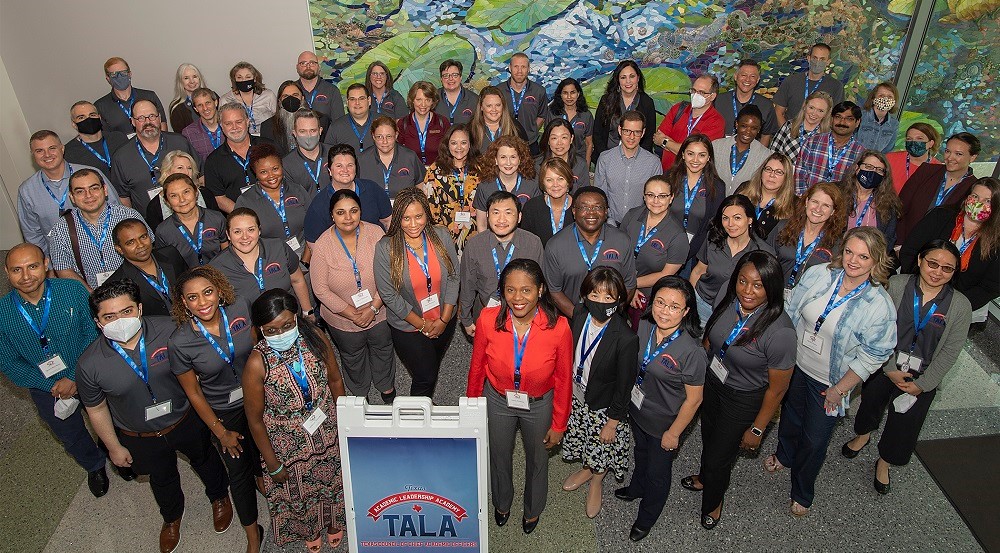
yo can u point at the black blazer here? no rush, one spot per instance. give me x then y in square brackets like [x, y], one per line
[613, 369]
[170, 260]
[602, 130]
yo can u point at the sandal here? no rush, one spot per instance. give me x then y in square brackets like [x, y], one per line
[772, 464]
[798, 511]
[691, 483]
[333, 539]
[315, 546]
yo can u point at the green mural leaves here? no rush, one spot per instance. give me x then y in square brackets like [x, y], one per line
[412, 56]
[514, 16]
[665, 85]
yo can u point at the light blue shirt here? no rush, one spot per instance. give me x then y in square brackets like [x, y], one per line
[623, 178]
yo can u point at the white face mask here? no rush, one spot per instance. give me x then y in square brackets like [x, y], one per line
[122, 329]
[698, 101]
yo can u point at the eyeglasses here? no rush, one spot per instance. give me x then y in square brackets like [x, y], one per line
[778, 172]
[870, 167]
[590, 208]
[934, 265]
[702, 92]
[631, 132]
[671, 307]
[378, 74]
[307, 63]
[450, 75]
[145, 118]
[650, 196]
[385, 137]
[123, 73]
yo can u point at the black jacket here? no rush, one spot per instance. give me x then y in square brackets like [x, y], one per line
[602, 130]
[614, 365]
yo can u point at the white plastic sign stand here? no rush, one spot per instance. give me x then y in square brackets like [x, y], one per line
[415, 475]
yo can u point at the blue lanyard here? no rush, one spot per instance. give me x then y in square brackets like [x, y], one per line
[648, 357]
[693, 122]
[556, 225]
[151, 165]
[279, 207]
[107, 155]
[586, 350]
[354, 264]
[258, 274]
[517, 186]
[737, 329]
[864, 211]
[249, 109]
[735, 165]
[362, 133]
[519, 347]
[214, 137]
[105, 226]
[196, 246]
[689, 196]
[298, 370]
[378, 102]
[643, 238]
[807, 92]
[230, 356]
[597, 249]
[493, 135]
[312, 96]
[833, 161]
[451, 113]
[142, 373]
[760, 210]
[918, 323]
[62, 202]
[516, 100]
[801, 255]
[39, 329]
[422, 136]
[942, 194]
[460, 176]
[498, 266]
[737, 106]
[319, 166]
[123, 107]
[244, 163]
[387, 172]
[163, 286]
[425, 265]
[834, 303]
[803, 134]
[966, 242]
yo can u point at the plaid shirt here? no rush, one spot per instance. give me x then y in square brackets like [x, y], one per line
[813, 162]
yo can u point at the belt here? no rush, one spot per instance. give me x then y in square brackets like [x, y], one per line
[158, 433]
[504, 394]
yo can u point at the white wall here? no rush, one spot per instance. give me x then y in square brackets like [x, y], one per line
[53, 52]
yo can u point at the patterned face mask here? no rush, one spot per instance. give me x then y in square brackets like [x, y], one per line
[977, 209]
[884, 103]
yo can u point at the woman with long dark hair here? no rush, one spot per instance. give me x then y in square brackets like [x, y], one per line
[570, 105]
[698, 190]
[386, 100]
[521, 362]
[451, 186]
[872, 202]
[626, 91]
[559, 141]
[493, 119]
[751, 344]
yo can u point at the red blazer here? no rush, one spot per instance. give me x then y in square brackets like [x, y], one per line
[547, 363]
[408, 137]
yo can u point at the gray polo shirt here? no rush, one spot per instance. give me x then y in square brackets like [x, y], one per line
[102, 375]
[786, 255]
[525, 190]
[583, 127]
[277, 261]
[310, 174]
[527, 106]
[668, 244]
[792, 92]
[682, 363]
[213, 234]
[721, 263]
[98, 256]
[478, 275]
[725, 103]
[346, 131]
[324, 98]
[748, 364]
[296, 200]
[461, 111]
[117, 115]
[97, 154]
[393, 104]
[565, 267]
[135, 171]
[189, 350]
[623, 178]
[404, 171]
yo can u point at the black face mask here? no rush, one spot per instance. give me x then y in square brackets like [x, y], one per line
[90, 125]
[600, 311]
[291, 104]
[244, 86]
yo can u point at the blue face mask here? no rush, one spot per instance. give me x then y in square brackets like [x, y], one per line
[283, 341]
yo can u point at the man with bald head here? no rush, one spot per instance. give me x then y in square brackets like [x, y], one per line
[320, 95]
[135, 167]
[93, 145]
[45, 325]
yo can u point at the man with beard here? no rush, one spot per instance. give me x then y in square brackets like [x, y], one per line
[354, 128]
[828, 156]
[93, 145]
[227, 169]
[152, 269]
[794, 90]
[136, 164]
[527, 99]
[205, 134]
[318, 94]
[306, 165]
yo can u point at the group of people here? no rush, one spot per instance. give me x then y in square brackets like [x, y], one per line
[229, 263]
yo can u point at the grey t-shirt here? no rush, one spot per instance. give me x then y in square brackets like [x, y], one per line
[135, 171]
[792, 92]
[277, 263]
[312, 175]
[213, 234]
[525, 189]
[747, 365]
[346, 131]
[786, 255]
[728, 107]
[667, 244]
[296, 200]
[565, 268]
[721, 263]
[102, 374]
[324, 98]
[405, 169]
[681, 364]
[461, 111]
[189, 350]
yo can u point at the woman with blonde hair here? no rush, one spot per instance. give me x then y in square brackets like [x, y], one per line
[772, 192]
[813, 118]
[176, 161]
[181, 108]
[422, 130]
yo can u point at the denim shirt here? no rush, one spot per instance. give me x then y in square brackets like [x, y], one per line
[865, 336]
[880, 137]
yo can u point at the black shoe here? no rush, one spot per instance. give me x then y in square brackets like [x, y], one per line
[708, 522]
[500, 518]
[529, 527]
[880, 487]
[850, 453]
[388, 397]
[97, 481]
[637, 533]
[125, 473]
[622, 493]
[688, 484]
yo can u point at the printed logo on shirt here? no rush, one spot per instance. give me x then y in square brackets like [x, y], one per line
[272, 269]
[467, 112]
[523, 198]
[823, 254]
[939, 320]
[669, 363]
[656, 244]
[575, 179]
[612, 254]
[434, 131]
[321, 98]
[293, 201]
[530, 100]
[579, 124]
[388, 104]
[238, 325]
[158, 356]
[210, 233]
[702, 193]
[403, 172]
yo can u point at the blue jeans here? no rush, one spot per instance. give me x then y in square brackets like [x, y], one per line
[73, 434]
[804, 434]
[704, 309]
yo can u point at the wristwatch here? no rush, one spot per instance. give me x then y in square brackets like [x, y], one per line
[756, 431]
[374, 309]
[310, 312]
[664, 143]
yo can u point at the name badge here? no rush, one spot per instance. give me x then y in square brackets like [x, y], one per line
[236, 395]
[153, 192]
[908, 362]
[293, 243]
[494, 302]
[463, 217]
[243, 189]
[690, 237]
[430, 302]
[719, 369]
[315, 419]
[158, 410]
[103, 277]
[813, 341]
[518, 400]
[637, 397]
[52, 366]
[362, 298]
